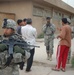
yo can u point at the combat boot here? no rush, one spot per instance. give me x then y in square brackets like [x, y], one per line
[47, 57]
[50, 57]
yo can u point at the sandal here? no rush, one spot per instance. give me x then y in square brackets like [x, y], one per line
[63, 69]
[55, 69]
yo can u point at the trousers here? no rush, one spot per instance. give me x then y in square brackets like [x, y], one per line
[11, 70]
[62, 54]
[30, 60]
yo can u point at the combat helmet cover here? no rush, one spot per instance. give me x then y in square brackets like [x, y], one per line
[9, 23]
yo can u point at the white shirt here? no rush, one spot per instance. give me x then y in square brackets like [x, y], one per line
[29, 34]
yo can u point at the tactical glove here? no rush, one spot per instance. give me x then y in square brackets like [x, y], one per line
[21, 65]
[9, 59]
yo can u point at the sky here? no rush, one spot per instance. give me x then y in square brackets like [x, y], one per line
[70, 2]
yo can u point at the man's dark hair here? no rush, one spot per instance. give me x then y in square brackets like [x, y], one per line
[64, 20]
[24, 19]
[19, 21]
[48, 18]
[29, 21]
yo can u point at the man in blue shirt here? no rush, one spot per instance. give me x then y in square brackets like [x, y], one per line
[20, 23]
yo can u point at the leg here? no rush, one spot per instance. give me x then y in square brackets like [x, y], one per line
[46, 41]
[60, 51]
[47, 51]
[51, 49]
[6, 71]
[30, 60]
[65, 55]
[15, 70]
[69, 56]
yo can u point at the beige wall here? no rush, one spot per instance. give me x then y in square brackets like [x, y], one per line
[21, 9]
[39, 20]
[60, 4]
[24, 9]
[37, 23]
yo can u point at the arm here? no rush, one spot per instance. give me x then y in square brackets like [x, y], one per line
[62, 33]
[44, 28]
[53, 28]
[34, 33]
[58, 28]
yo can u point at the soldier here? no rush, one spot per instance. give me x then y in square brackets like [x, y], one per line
[69, 54]
[9, 27]
[72, 34]
[49, 30]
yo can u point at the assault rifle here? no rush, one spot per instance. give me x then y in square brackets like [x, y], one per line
[11, 42]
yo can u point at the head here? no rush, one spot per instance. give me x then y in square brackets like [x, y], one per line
[66, 21]
[48, 19]
[29, 21]
[19, 22]
[24, 21]
[9, 27]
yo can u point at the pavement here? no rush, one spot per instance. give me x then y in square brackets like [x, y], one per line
[42, 66]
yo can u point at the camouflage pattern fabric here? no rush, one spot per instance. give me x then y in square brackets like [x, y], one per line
[12, 69]
[49, 36]
[17, 57]
[9, 23]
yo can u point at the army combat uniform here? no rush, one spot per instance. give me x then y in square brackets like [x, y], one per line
[16, 48]
[19, 54]
[48, 37]
[72, 36]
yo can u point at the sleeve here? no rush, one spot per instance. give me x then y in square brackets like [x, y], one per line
[53, 28]
[35, 32]
[44, 28]
[62, 33]
[19, 30]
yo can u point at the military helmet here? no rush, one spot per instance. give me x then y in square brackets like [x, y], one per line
[9, 23]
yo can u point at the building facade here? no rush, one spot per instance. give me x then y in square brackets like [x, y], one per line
[38, 10]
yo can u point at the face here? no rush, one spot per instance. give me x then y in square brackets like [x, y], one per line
[8, 31]
[62, 23]
[24, 23]
[21, 24]
[48, 21]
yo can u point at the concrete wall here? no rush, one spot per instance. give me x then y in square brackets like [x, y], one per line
[22, 9]
[60, 4]
[40, 20]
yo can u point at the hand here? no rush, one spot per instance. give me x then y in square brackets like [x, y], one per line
[58, 37]
[58, 28]
[9, 59]
[21, 65]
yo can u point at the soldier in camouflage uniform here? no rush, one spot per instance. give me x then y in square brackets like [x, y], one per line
[72, 34]
[9, 27]
[49, 30]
